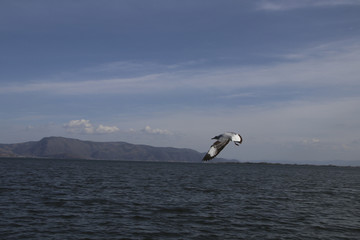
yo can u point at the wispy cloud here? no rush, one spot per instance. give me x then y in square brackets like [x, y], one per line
[84, 126]
[323, 65]
[116, 85]
[283, 5]
[125, 68]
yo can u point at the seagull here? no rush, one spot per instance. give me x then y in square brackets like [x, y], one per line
[222, 141]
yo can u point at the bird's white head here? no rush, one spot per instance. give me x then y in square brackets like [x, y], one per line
[237, 139]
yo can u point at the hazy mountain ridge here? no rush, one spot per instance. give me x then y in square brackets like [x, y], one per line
[68, 148]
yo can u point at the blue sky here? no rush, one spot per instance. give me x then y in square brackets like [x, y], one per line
[284, 74]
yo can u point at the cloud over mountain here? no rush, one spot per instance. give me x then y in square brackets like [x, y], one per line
[84, 126]
[150, 130]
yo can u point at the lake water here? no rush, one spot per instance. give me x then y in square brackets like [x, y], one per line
[64, 199]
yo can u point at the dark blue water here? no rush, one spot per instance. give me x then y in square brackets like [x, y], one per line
[62, 199]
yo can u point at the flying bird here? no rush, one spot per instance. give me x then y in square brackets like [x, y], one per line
[222, 141]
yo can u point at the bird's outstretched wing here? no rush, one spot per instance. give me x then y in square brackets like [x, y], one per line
[215, 149]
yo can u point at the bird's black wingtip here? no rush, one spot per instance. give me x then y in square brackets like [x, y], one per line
[206, 158]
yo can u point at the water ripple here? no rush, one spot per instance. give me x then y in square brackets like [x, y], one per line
[57, 199]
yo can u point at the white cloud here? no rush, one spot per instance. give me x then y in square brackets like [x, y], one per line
[150, 130]
[106, 129]
[79, 126]
[311, 141]
[85, 127]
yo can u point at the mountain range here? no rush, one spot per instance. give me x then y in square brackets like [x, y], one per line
[68, 148]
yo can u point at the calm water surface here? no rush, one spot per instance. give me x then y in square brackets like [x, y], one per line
[63, 199]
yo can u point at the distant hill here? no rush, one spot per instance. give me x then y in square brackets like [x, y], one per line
[68, 148]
